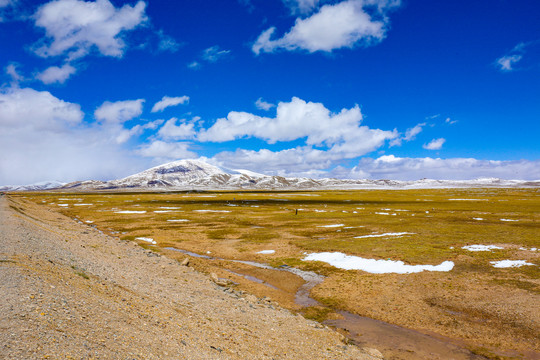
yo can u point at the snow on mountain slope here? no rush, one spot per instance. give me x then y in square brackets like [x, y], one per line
[196, 174]
[44, 185]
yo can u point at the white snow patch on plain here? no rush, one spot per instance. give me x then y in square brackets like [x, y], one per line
[64, 205]
[383, 235]
[266, 252]
[215, 211]
[130, 212]
[508, 220]
[331, 226]
[481, 247]
[166, 211]
[89, 222]
[468, 199]
[82, 204]
[479, 219]
[349, 262]
[382, 213]
[149, 240]
[531, 249]
[509, 263]
[178, 220]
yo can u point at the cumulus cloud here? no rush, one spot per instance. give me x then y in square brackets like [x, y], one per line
[36, 110]
[171, 130]
[343, 25]
[296, 119]
[167, 101]
[263, 105]
[167, 151]
[392, 167]
[55, 74]
[120, 111]
[75, 27]
[45, 138]
[435, 144]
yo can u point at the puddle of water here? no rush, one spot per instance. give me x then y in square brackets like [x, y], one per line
[396, 342]
[253, 278]
[190, 253]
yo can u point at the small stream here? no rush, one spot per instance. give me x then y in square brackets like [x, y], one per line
[393, 341]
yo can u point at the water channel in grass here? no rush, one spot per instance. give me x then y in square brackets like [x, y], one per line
[394, 342]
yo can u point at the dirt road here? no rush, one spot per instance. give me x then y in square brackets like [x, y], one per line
[69, 291]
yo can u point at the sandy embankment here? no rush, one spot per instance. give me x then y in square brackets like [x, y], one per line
[71, 292]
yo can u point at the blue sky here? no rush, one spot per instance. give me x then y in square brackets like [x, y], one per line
[349, 88]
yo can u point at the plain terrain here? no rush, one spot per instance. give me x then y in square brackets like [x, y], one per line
[71, 292]
[492, 311]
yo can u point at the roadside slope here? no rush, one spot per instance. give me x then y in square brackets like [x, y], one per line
[70, 291]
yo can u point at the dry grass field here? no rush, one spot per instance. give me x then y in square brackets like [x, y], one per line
[494, 311]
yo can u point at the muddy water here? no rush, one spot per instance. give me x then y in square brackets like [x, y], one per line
[393, 341]
[396, 342]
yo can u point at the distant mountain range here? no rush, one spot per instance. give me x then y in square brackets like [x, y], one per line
[198, 175]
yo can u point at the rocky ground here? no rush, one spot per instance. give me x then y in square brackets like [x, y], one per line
[70, 292]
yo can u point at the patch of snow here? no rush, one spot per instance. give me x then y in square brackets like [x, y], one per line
[130, 212]
[468, 199]
[383, 235]
[479, 219]
[149, 240]
[349, 262]
[178, 220]
[82, 204]
[509, 263]
[166, 211]
[89, 222]
[382, 213]
[266, 252]
[331, 226]
[508, 220]
[63, 205]
[215, 211]
[482, 247]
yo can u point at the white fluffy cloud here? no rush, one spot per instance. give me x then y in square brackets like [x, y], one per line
[170, 130]
[167, 101]
[328, 137]
[296, 119]
[120, 111]
[263, 105]
[167, 151]
[75, 27]
[38, 110]
[55, 74]
[391, 167]
[45, 138]
[345, 24]
[435, 144]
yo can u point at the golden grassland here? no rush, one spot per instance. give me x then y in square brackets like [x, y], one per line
[492, 310]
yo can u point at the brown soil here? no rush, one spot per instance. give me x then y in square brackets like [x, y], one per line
[69, 291]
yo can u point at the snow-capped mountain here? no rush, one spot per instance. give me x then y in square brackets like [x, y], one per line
[198, 175]
[45, 185]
